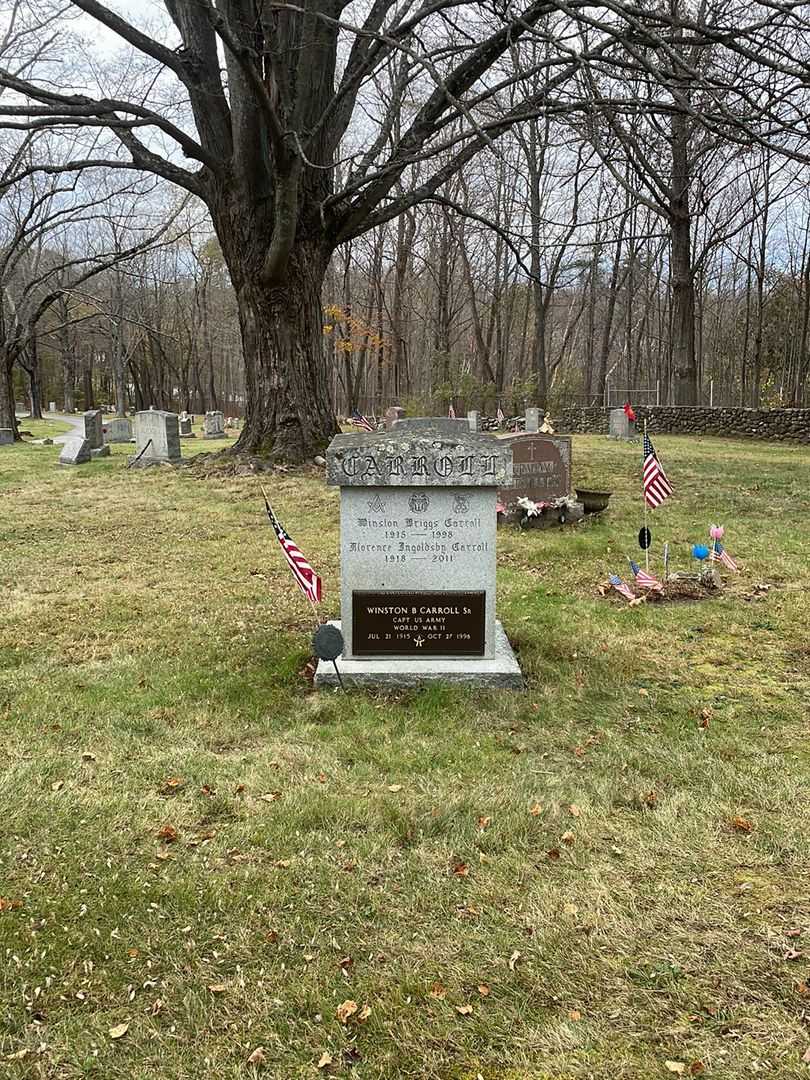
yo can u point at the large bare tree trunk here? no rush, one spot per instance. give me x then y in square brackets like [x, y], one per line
[683, 285]
[8, 417]
[288, 414]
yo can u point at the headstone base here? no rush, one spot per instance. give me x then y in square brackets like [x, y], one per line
[214, 435]
[500, 672]
[193, 435]
[100, 451]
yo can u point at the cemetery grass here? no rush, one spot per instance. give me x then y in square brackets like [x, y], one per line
[603, 877]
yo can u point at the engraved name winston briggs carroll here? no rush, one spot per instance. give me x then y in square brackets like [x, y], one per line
[421, 465]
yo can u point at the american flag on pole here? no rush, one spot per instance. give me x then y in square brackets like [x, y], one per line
[308, 581]
[719, 554]
[451, 412]
[499, 414]
[656, 486]
[643, 579]
[621, 588]
[359, 421]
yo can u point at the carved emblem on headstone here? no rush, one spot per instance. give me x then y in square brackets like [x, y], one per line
[461, 504]
[419, 502]
[376, 505]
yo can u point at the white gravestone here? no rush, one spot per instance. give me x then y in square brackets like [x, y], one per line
[214, 425]
[157, 438]
[75, 451]
[620, 426]
[417, 551]
[118, 430]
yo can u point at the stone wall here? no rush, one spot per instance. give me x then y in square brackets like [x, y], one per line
[792, 425]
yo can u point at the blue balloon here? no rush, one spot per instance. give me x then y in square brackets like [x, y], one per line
[700, 551]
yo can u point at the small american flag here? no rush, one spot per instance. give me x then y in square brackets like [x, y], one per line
[451, 412]
[621, 588]
[719, 554]
[308, 581]
[359, 421]
[656, 486]
[643, 579]
[499, 415]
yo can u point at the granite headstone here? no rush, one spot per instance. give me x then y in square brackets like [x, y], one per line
[214, 425]
[75, 451]
[118, 430]
[157, 438]
[417, 535]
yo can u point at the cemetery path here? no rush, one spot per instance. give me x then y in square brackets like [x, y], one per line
[76, 422]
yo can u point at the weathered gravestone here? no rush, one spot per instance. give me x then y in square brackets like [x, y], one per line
[474, 420]
[417, 536]
[214, 425]
[118, 430]
[94, 433]
[6, 436]
[393, 414]
[532, 420]
[185, 428]
[157, 439]
[621, 427]
[51, 406]
[75, 451]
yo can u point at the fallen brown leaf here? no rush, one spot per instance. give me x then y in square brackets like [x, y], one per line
[553, 854]
[325, 1060]
[568, 837]
[483, 990]
[574, 1014]
[459, 868]
[677, 1067]
[346, 1010]
[119, 1031]
[364, 1014]
[257, 1058]
[394, 788]
[168, 834]
[484, 823]
[7, 904]
[806, 1056]
[536, 810]
[218, 988]
[438, 991]
[741, 824]
[574, 811]
[697, 1068]
[464, 1010]
[271, 796]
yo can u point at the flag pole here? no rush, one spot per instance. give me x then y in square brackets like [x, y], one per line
[644, 494]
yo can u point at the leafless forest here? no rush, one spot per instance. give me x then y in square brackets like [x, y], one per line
[288, 212]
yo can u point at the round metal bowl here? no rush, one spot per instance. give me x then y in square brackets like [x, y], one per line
[593, 501]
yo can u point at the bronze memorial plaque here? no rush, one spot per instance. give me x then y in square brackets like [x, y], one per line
[418, 623]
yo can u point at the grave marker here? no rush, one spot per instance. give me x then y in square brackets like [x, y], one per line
[157, 438]
[418, 528]
[541, 469]
[621, 427]
[75, 451]
[6, 436]
[214, 425]
[118, 430]
[94, 433]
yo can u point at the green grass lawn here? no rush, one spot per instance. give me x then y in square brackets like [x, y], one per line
[606, 876]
